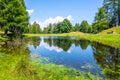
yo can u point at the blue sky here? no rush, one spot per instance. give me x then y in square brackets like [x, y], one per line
[45, 11]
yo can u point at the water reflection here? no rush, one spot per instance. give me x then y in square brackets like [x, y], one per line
[108, 58]
[80, 54]
[69, 52]
[17, 46]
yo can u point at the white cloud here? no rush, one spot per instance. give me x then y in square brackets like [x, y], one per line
[70, 18]
[30, 11]
[47, 46]
[53, 20]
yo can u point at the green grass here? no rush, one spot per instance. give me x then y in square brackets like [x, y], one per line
[106, 39]
[1, 32]
[115, 29]
[20, 67]
[2, 40]
[62, 34]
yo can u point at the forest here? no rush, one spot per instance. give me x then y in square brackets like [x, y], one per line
[14, 18]
[62, 50]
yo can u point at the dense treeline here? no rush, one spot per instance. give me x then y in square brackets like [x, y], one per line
[34, 28]
[61, 27]
[107, 16]
[83, 27]
[14, 18]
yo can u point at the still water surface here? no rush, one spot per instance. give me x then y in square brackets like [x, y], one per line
[82, 55]
[75, 53]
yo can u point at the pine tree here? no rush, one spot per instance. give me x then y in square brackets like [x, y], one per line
[84, 27]
[112, 9]
[13, 16]
[100, 21]
[34, 28]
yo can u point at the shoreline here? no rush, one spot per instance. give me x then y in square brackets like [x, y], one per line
[112, 40]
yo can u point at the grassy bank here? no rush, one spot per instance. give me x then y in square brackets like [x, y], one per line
[62, 34]
[107, 39]
[115, 29]
[104, 38]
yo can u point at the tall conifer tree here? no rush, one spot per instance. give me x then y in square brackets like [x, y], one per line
[13, 16]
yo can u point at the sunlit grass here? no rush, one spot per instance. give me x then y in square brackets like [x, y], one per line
[115, 29]
[62, 34]
[107, 39]
[1, 32]
[19, 67]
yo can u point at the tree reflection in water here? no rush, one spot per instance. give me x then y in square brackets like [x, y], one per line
[109, 59]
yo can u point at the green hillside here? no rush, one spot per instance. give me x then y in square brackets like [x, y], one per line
[115, 29]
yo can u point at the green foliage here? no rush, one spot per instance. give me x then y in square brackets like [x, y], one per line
[77, 26]
[100, 22]
[112, 74]
[112, 9]
[13, 16]
[49, 28]
[83, 27]
[34, 28]
[63, 27]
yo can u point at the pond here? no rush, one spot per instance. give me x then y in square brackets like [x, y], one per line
[83, 55]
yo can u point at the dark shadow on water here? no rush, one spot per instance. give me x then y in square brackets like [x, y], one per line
[108, 58]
